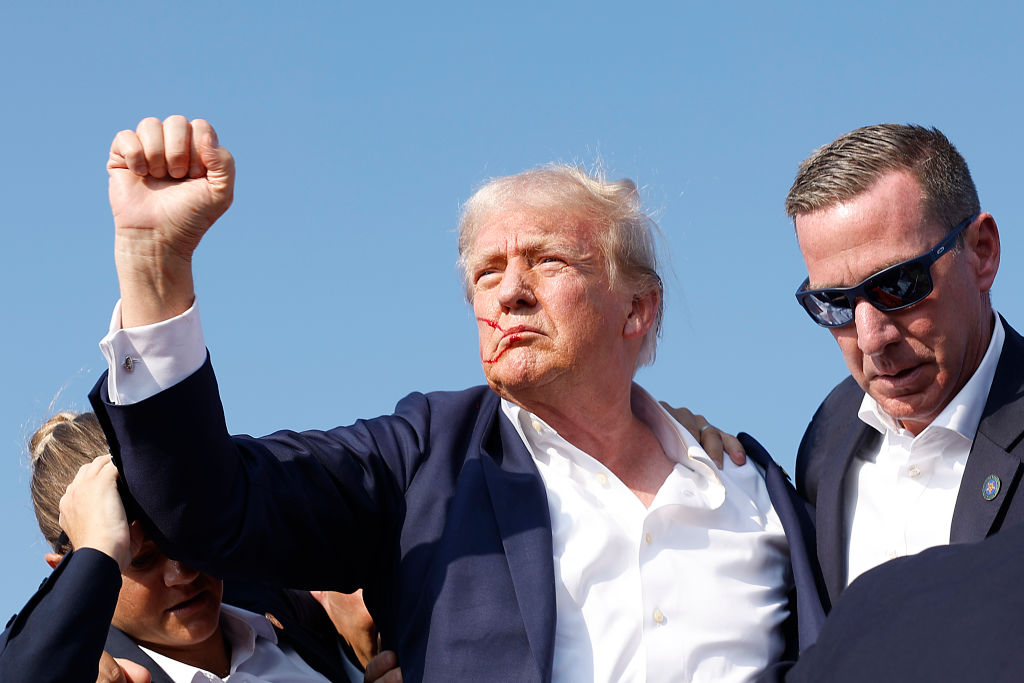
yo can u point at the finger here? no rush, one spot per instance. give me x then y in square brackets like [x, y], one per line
[109, 670]
[220, 165]
[126, 152]
[177, 145]
[196, 168]
[685, 418]
[735, 449]
[380, 665]
[134, 672]
[711, 442]
[151, 134]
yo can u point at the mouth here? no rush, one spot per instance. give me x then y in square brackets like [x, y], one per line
[900, 380]
[195, 602]
[514, 333]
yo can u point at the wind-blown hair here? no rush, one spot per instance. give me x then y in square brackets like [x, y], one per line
[57, 450]
[626, 234]
[854, 162]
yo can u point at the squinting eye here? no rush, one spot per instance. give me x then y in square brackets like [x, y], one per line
[143, 560]
[486, 276]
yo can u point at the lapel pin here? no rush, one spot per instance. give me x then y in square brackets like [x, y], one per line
[990, 489]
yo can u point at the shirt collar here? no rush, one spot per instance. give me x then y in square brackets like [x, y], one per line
[963, 413]
[679, 445]
[241, 628]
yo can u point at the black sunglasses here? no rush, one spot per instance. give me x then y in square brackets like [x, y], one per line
[896, 287]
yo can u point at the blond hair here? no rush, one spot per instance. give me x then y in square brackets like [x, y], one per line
[626, 234]
[57, 450]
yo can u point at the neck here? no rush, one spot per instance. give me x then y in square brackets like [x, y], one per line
[212, 654]
[604, 426]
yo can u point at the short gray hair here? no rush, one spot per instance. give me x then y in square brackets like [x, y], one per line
[626, 233]
[855, 161]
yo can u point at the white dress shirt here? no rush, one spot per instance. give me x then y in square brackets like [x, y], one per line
[255, 655]
[692, 589]
[900, 496]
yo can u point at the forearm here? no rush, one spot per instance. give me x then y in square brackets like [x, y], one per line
[60, 633]
[258, 508]
[156, 283]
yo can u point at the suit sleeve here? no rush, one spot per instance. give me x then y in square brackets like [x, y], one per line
[316, 509]
[59, 634]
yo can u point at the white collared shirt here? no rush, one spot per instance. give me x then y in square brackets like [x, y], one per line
[691, 589]
[900, 496]
[255, 655]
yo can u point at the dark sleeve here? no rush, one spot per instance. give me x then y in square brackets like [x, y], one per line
[59, 634]
[287, 508]
[808, 600]
[832, 423]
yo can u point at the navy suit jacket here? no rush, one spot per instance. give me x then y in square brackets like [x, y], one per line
[60, 633]
[836, 435]
[951, 613]
[437, 511]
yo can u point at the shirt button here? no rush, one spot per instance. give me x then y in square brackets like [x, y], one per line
[893, 554]
[537, 426]
[602, 478]
[659, 616]
[914, 471]
[647, 537]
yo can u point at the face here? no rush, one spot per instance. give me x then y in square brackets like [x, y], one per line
[548, 319]
[165, 605]
[912, 361]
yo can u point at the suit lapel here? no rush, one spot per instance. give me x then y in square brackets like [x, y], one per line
[521, 509]
[831, 504]
[997, 448]
[120, 645]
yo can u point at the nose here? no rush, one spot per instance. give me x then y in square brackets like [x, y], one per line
[516, 289]
[178, 574]
[875, 329]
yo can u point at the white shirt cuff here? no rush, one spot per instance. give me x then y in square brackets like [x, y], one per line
[145, 360]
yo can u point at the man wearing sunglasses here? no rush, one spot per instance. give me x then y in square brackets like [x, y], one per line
[921, 445]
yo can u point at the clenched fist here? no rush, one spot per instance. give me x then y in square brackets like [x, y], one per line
[169, 182]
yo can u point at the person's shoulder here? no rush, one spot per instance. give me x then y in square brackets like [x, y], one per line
[472, 399]
[844, 396]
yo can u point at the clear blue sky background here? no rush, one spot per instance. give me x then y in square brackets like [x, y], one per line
[329, 291]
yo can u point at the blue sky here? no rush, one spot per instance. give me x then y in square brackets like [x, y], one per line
[329, 289]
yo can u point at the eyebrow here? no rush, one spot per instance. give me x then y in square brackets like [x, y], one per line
[532, 246]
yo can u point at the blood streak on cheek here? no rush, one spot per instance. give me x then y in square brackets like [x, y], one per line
[512, 339]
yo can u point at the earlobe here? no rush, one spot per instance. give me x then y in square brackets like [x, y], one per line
[53, 559]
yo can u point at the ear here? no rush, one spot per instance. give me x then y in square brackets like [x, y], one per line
[642, 314]
[53, 559]
[982, 241]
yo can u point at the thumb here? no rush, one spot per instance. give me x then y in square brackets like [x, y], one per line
[134, 673]
[218, 160]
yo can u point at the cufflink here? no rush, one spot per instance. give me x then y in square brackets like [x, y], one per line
[129, 363]
[990, 489]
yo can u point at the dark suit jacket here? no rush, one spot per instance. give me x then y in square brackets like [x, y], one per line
[59, 634]
[836, 435]
[952, 613]
[437, 511]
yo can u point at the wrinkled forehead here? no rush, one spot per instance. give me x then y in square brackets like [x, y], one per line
[527, 228]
